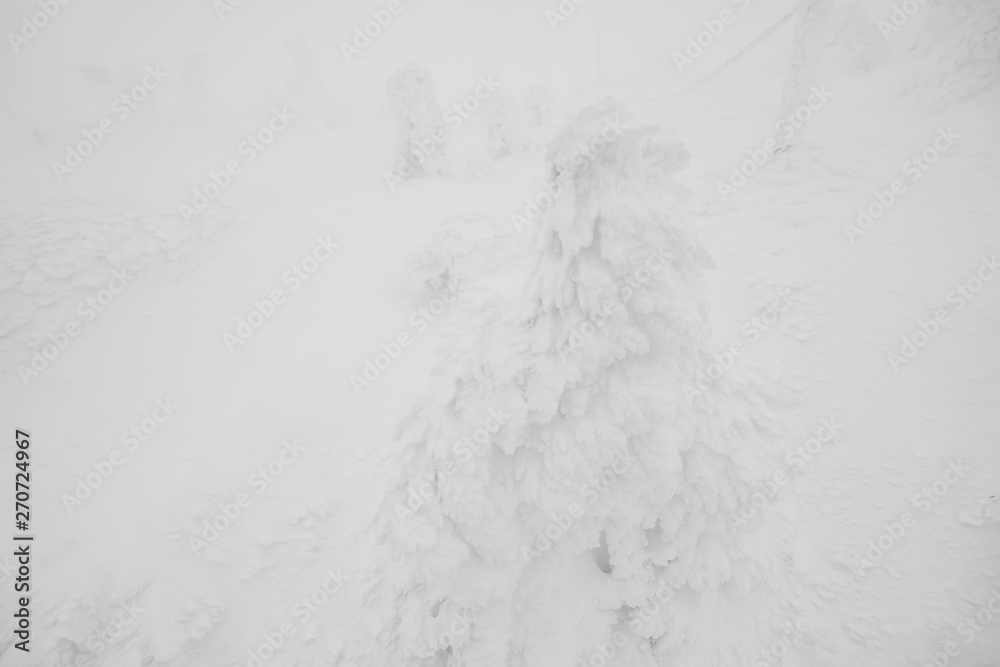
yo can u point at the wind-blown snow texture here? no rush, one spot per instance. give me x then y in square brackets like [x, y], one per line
[615, 496]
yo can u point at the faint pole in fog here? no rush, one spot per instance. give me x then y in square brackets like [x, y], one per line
[38, 135]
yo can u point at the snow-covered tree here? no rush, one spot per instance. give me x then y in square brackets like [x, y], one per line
[538, 106]
[502, 117]
[420, 130]
[567, 481]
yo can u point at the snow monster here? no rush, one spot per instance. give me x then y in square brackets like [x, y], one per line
[560, 496]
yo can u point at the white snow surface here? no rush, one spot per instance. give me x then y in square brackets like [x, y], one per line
[128, 545]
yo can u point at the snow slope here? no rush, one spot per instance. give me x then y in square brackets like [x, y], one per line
[128, 546]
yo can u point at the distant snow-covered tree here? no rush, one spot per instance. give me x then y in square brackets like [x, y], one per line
[569, 483]
[197, 103]
[538, 105]
[420, 131]
[503, 124]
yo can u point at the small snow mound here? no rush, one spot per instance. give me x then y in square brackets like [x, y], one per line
[981, 511]
[462, 249]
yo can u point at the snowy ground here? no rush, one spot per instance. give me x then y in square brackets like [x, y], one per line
[125, 552]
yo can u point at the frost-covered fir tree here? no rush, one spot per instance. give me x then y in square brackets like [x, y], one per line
[567, 491]
[502, 118]
[420, 130]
